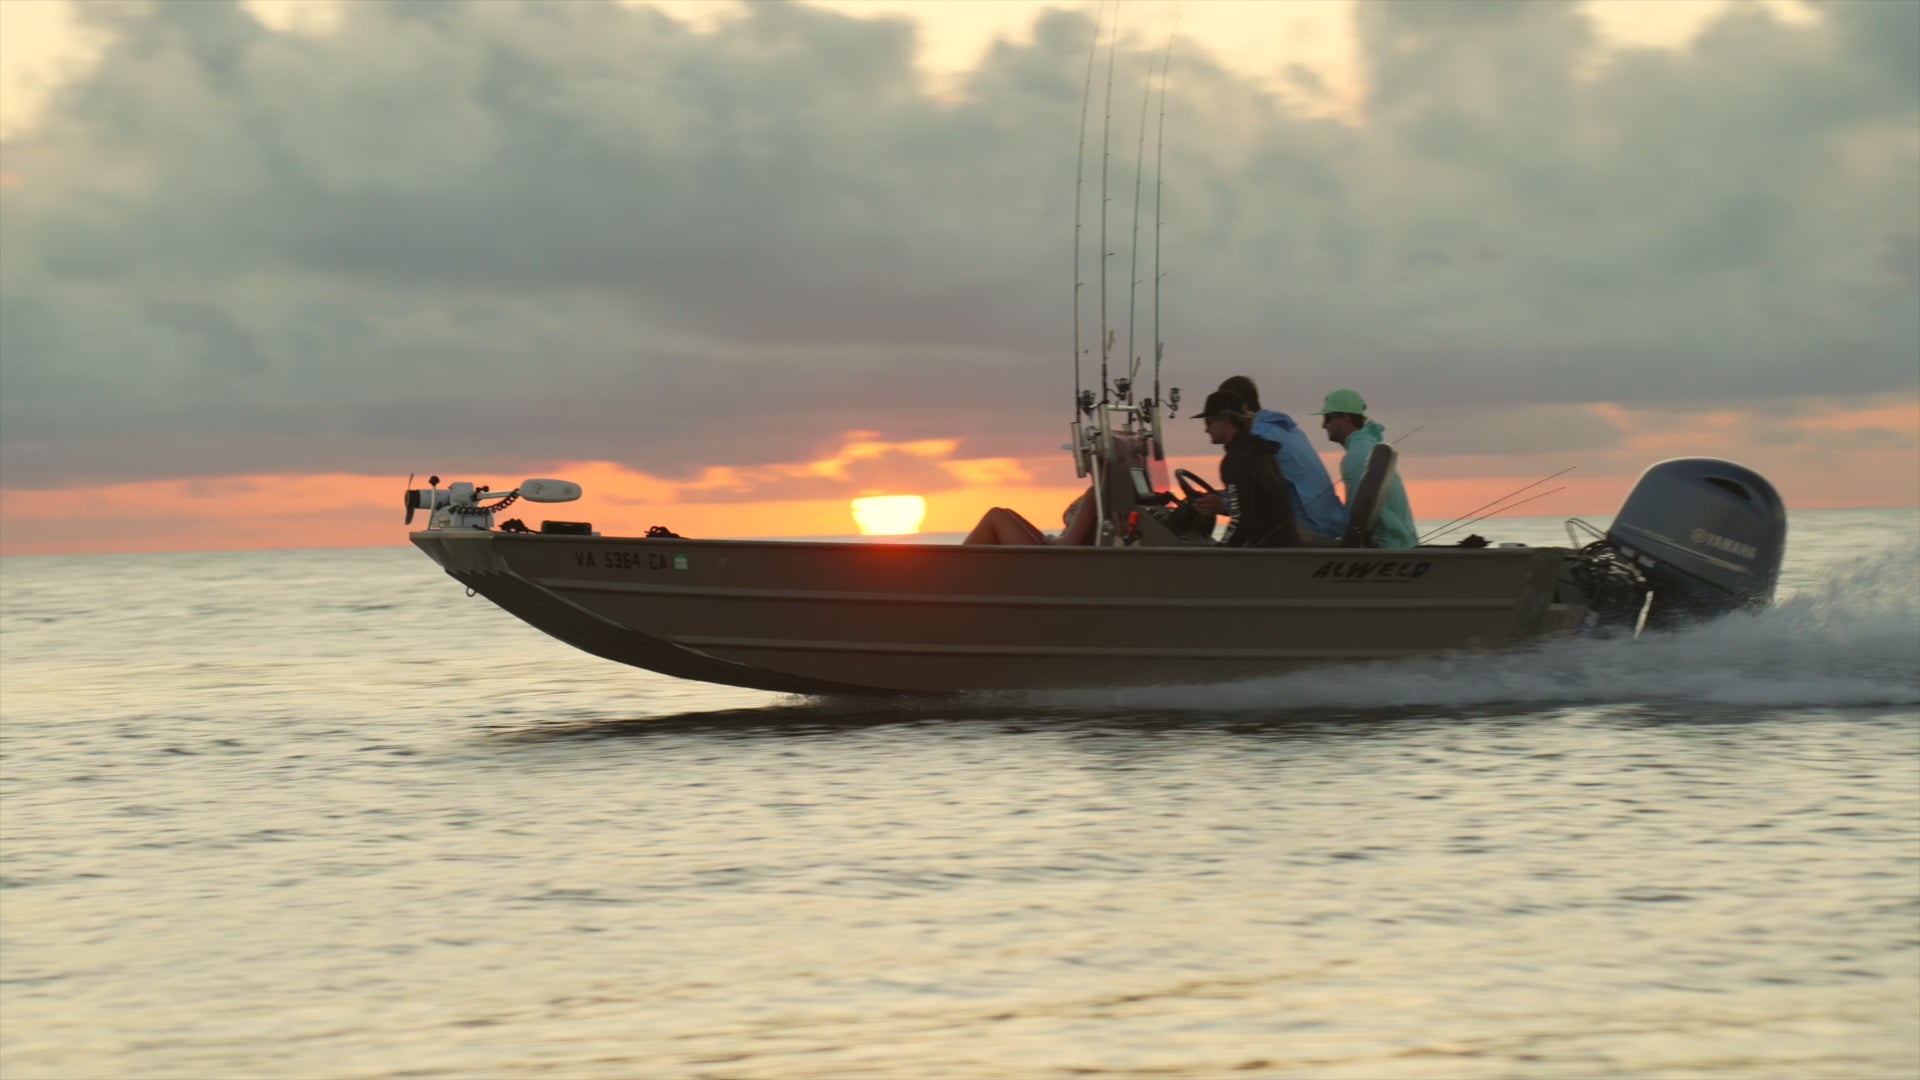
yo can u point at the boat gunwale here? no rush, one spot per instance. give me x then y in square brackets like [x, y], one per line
[1051, 550]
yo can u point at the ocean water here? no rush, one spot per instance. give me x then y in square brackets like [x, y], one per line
[319, 814]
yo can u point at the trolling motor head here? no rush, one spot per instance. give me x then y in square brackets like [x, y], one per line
[463, 506]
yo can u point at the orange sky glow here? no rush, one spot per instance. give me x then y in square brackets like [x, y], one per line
[1828, 464]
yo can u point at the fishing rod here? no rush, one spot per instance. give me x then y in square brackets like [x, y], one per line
[1079, 178]
[1501, 499]
[1146, 95]
[1133, 267]
[1106, 154]
[1485, 516]
[1159, 184]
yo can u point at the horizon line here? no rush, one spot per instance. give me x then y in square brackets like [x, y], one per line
[811, 538]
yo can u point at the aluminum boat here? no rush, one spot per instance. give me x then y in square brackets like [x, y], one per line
[1153, 602]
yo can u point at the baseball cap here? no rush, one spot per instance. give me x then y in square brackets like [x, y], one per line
[1344, 401]
[1220, 403]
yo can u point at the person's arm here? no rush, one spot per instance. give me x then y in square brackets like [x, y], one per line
[1228, 498]
[1230, 508]
[1260, 509]
[1353, 467]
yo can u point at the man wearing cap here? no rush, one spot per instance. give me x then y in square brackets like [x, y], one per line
[1253, 495]
[1317, 508]
[1344, 416]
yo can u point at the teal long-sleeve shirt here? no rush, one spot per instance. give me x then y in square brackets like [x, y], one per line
[1395, 527]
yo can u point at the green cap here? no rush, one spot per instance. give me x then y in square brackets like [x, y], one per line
[1344, 401]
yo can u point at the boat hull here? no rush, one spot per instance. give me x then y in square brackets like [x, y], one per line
[841, 618]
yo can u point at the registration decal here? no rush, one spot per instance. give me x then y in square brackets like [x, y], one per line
[630, 560]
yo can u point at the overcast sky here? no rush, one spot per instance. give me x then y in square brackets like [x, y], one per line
[499, 234]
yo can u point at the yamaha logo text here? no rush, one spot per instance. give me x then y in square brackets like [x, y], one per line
[1715, 540]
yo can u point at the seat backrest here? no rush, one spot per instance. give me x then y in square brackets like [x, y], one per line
[1119, 496]
[1363, 511]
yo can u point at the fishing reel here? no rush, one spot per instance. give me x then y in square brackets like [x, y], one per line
[461, 505]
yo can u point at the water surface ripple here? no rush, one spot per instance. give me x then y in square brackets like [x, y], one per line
[319, 814]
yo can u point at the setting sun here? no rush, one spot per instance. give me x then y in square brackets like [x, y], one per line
[889, 515]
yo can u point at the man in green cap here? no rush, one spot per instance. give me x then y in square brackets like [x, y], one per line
[1344, 418]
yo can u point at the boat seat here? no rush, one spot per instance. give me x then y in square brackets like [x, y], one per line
[1363, 510]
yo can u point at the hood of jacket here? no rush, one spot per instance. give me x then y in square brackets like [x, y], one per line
[1246, 442]
[1277, 419]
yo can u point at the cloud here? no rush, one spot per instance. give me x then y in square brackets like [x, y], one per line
[861, 466]
[483, 235]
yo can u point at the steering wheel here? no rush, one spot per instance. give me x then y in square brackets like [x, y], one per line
[1191, 485]
[1186, 520]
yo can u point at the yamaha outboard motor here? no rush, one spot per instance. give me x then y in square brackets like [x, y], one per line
[1706, 536]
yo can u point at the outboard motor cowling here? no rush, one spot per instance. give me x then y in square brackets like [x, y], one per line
[1707, 535]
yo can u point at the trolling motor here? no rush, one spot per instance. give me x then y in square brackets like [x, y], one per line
[463, 506]
[1697, 538]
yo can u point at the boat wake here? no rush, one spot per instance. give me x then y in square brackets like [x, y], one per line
[1853, 640]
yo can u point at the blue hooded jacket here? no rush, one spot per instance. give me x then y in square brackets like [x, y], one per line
[1316, 506]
